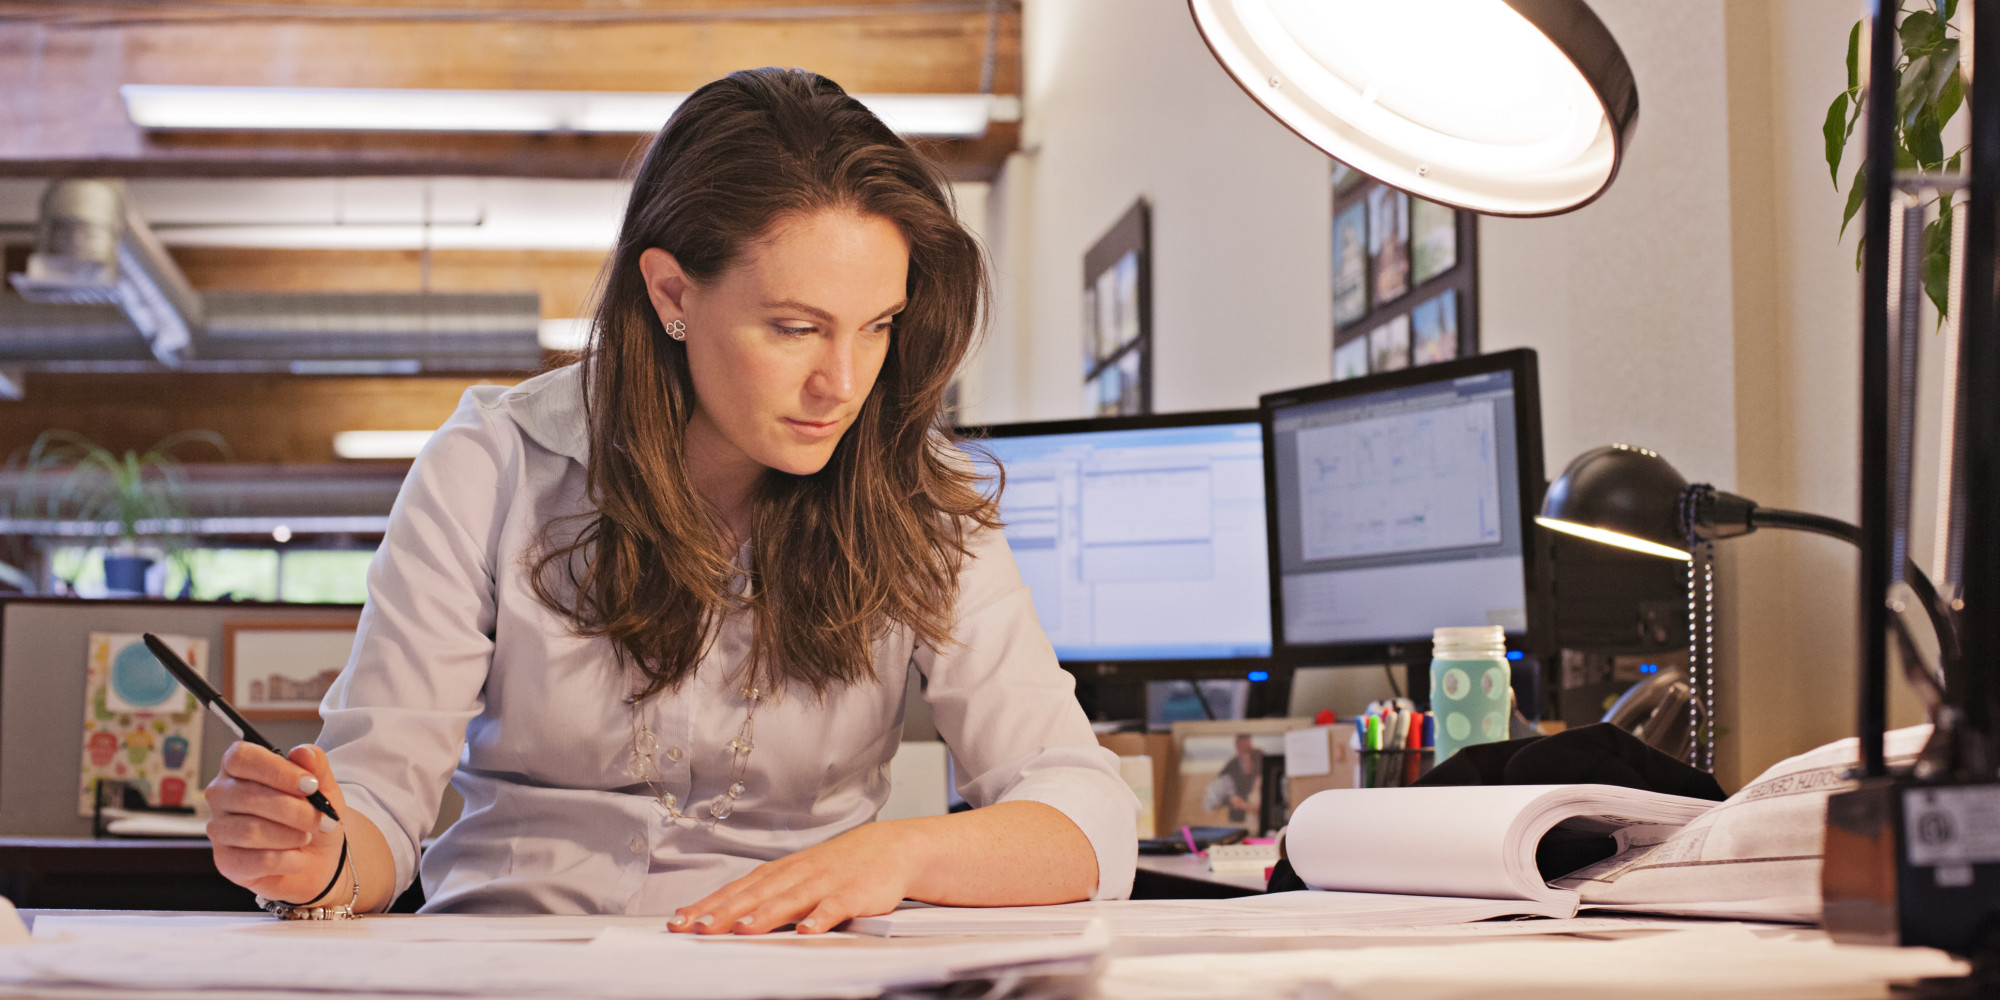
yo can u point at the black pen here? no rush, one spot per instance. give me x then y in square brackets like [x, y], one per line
[223, 710]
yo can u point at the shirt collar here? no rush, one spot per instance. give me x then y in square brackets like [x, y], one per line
[549, 409]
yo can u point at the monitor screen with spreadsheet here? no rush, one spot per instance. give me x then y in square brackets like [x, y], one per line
[1402, 502]
[1141, 538]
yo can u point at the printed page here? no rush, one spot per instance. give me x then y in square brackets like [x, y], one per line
[1756, 856]
[1302, 912]
[1474, 841]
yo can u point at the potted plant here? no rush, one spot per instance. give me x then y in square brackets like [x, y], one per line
[132, 498]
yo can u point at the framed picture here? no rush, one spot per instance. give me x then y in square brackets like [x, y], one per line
[1220, 770]
[1389, 345]
[1389, 241]
[1434, 329]
[1118, 317]
[1350, 264]
[140, 727]
[281, 670]
[1405, 278]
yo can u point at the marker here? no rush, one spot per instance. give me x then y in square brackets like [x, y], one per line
[1188, 835]
[223, 710]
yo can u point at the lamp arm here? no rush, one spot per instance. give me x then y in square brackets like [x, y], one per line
[1774, 517]
[1944, 619]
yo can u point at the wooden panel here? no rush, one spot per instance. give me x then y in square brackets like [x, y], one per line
[564, 279]
[276, 419]
[60, 112]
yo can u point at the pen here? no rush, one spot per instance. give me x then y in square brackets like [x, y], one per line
[1188, 835]
[223, 710]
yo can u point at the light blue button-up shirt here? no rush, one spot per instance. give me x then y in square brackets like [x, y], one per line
[461, 674]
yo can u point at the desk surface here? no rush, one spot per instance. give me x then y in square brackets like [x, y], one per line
[1194, 868]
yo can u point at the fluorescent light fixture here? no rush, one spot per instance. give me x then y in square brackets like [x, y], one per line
[380, 444]
[1619, 539]
[1501, 107]
[364, 109]
[563, 334]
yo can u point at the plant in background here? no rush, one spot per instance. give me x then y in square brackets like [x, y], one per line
[1929, 91]
[137, 496]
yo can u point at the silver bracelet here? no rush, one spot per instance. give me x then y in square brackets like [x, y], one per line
[305, 911]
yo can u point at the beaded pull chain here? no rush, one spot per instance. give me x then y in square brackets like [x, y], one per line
[641, 764]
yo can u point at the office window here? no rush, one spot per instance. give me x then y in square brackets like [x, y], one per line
[330, 576]
[333, 576]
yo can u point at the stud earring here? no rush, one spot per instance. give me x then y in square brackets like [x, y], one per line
[677, 329]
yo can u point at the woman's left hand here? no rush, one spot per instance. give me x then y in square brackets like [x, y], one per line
[865, 871]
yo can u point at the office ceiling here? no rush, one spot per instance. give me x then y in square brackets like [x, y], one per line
[61, 65]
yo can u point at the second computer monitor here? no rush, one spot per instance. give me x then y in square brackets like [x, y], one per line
[1403, 502]
[1141, 538]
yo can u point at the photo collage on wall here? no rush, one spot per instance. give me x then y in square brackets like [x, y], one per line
[1404, 278]
[1117, 319]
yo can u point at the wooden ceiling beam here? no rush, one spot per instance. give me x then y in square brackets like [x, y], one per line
[60, 113]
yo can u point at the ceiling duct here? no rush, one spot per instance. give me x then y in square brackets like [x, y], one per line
[101, 294]
[372, 332]
[91, 250]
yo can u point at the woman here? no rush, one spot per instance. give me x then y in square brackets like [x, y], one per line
[653, 615]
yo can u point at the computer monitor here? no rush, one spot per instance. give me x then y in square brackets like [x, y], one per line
[1401, 502]
[1142, 539]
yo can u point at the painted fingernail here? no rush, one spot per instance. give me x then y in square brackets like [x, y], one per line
[809, 924]
[745, 921]
[326, 824]
[308, 785]
[705, 920]
[679, 920]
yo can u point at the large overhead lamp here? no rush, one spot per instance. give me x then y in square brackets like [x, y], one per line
[1507, 107]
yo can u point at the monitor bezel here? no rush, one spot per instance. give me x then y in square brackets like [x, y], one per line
[1520, 363]
[1210, 668]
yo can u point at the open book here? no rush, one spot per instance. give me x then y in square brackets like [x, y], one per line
[1468, 841]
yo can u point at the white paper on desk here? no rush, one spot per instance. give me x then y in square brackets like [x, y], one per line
[1301, 912]
[380, 927]
[318, 960]
[1306, 752]
[1670, 966]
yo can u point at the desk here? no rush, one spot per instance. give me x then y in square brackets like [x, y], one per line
[1186, 876]
[82, 873]
[1596, 958]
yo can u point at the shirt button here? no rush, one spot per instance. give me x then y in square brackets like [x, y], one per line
[638, 845]
[674, 753]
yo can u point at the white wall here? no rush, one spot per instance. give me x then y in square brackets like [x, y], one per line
[1702, 307]
[1123, 101]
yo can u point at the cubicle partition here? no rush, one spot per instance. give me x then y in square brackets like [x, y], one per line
[44, 643]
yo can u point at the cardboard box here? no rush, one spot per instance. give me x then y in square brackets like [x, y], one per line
[1343, 770]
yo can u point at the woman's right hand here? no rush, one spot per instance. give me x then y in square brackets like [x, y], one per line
[267, 837]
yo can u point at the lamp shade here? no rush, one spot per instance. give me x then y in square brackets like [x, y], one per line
[1619, 495]
[1508, 107]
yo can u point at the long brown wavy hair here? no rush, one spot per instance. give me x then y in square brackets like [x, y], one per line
[870, 543]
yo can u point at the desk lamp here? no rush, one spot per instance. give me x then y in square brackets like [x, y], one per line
[1632, 498]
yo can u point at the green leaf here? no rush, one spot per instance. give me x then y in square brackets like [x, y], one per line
[1955, 162]
[1949, 8]
[1925, 141]
[1937, 260]
[1854, 57]
[1836, 129]
[1856, 195]
[1922, 32]
[1906, 160]
[1950, 96]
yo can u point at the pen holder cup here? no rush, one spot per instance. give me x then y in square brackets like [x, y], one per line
[1393, 768]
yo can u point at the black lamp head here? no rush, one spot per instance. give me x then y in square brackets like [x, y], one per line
[1620, 495]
